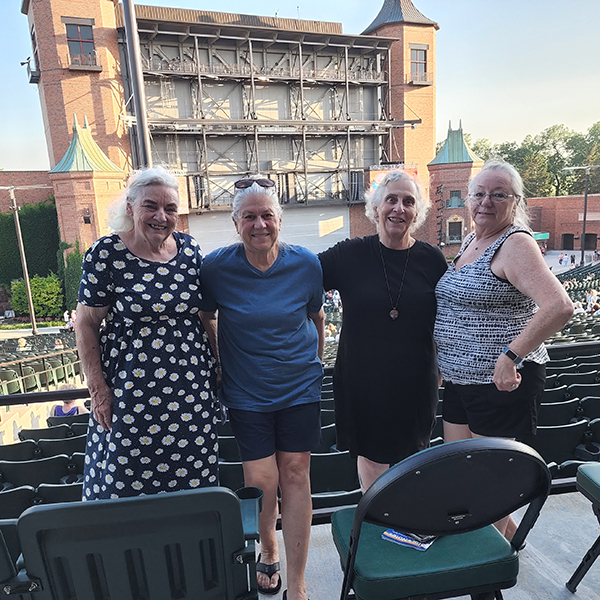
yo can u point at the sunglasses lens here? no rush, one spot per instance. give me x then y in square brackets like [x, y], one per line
[242, 184]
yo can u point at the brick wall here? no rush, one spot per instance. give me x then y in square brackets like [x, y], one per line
[65, 92]
[23, 178]
[360, 226]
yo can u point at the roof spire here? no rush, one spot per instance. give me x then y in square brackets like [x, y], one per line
[84, 154]
[398, 11]
[455, 149]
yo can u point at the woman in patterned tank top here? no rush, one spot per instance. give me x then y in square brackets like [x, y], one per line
[497, 303]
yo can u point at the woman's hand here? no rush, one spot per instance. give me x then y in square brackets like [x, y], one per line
[506, 376]
[102, 406]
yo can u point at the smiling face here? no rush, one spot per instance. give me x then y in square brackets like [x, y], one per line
[488, 213]
[396, 212]
[258, 224]
[154, 214]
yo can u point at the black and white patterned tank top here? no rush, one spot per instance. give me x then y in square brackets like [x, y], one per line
[478, 315]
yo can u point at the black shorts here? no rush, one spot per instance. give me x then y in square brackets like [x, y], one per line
[489, 412]
[261, 434]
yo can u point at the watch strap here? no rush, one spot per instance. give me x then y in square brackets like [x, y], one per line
[513, 356]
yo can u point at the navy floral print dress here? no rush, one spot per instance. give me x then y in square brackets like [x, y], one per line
[157, 359]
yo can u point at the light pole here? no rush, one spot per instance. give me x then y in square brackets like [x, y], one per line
[14, 207]
[585, 203]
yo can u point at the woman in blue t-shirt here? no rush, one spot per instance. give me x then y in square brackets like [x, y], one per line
[271, 332]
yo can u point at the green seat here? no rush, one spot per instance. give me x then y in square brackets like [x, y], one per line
[188, 544]
[9, 381]
[456, 491]
[588, 483]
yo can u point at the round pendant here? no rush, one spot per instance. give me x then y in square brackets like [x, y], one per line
[393, 314]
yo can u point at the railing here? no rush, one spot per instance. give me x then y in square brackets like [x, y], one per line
[177, 65]
[420, 78]
[84, 61]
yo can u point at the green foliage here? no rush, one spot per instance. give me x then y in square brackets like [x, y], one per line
[541, 159]
[39, 226]
[72, 276]
[46, 293]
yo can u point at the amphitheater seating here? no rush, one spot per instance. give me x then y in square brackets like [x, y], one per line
[577, 378]
[557, 443]
[16, 500]
[333, 480]
[589, 407]
[27, 450]
[56, 469]
[66, 446]
[558, 413]
[46, 433]
[327, 439]
[559, 370]
[79, 428]
[80, 418]
[228, 449]
[555, 395]
[581, 390]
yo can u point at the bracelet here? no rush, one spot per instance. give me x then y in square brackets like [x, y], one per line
[513, 356]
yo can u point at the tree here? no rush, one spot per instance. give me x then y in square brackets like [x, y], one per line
[69, 271]
[46, 293]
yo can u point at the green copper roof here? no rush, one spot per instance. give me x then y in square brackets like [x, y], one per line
[84, 154]
[455, 149]
[398, 11]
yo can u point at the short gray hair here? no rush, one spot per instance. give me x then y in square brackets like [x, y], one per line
[521, 216]
[374, 198]
[118, 219]
[255, 189]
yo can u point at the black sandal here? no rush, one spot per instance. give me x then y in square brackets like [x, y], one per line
[269, 571]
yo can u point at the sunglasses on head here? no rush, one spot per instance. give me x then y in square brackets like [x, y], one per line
[242, 184]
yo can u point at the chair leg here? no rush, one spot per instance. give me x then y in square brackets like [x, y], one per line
[588, 560]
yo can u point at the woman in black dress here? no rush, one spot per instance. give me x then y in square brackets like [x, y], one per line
[386, 378]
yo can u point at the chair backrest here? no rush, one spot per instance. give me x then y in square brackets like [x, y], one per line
[328, 439]
[181, 544]
[26, 450]
[52, 493]
[80, 418]
[589, 358]
[581, 390]
[555, 395]
[46, 433]
[34, 472]
[557, 443]
[228, 449]
[459, 486]
[62, 446]
[333, 472]
[590, 407]
[577, 378]
[16, 500]
[557, 413]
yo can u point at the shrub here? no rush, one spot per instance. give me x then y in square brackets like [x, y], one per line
[46, 293]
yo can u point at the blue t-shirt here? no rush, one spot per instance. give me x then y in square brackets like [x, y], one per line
[267, 343]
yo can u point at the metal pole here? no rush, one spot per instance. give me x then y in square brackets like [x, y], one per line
[137, 83]
[585, 203]
[15, 210]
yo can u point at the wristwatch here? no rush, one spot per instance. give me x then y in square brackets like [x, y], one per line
[514, 357]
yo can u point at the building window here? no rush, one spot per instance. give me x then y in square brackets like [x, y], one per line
[80, 40]
[455, 232]
[455, 200]
[418, 65]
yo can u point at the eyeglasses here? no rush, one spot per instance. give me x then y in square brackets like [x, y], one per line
[242, 184]
[494, 196]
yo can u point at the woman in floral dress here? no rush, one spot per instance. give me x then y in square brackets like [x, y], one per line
[144, 351]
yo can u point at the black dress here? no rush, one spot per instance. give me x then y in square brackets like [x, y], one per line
[386, 376]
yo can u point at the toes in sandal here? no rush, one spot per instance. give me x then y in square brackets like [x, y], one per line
[269, 571]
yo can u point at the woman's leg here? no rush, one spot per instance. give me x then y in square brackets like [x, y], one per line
[369, 471]
[296, 517]
[263, 474]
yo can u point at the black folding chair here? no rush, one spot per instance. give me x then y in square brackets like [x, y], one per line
[189, 544]
[456, 491]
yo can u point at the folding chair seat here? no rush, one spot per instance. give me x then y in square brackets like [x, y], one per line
[189, 544]
[231, 475]
[555, 395]
[80, 418]
[557, 443]
[551, 370]
[51, 493]
[581, 390]
[589, 407]
[455, 491]
[62, 446]
[588, 483]
[80, 428]
[15, 501]
[26, 450]
[587, 367]
[557, 413]
[228, 449]
[327, 417]
[328, 440]
[333, 480]
[56, 469]
[577, 378]
[46, 433]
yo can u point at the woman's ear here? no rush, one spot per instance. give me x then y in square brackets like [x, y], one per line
[235, 225]
[129, 210]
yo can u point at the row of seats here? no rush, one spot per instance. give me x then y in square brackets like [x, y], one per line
[14, 501]
[58, 432]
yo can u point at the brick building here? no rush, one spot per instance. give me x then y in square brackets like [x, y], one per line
[314, 108]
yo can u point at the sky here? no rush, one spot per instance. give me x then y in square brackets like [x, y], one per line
[505, 68]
